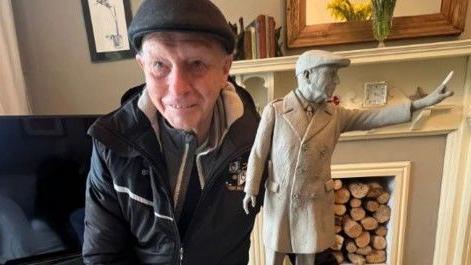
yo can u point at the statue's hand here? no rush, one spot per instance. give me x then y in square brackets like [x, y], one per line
[439, 94]
[249, 198]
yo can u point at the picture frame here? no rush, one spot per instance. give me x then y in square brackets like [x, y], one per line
[106, 23]
[449, 21]
[375, 94]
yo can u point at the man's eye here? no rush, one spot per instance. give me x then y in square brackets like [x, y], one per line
[198, 65]
[159, 68]
[158, 65]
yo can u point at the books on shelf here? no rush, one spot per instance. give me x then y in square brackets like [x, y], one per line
[259, 38]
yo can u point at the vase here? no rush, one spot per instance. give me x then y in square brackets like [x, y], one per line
[382, 19]
[381, 29]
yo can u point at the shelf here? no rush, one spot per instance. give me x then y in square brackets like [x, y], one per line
[364, 56]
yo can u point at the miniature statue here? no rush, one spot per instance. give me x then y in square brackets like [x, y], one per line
[295, 139]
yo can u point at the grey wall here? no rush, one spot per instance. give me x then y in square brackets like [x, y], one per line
[60, 76]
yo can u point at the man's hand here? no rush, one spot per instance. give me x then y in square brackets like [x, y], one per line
[249, 198]
[439, 94]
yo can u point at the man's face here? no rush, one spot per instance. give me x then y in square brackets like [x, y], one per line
[184, 75]
[320, 83]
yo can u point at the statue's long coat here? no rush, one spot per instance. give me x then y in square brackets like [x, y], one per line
[299, 198]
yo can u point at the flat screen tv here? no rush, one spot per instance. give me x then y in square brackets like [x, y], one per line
[44, 162]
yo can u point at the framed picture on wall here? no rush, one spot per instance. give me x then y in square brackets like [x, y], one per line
[106, 22]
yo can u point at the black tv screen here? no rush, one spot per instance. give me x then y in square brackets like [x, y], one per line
[44, 162]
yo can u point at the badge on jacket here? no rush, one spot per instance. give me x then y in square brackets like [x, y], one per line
[236, 174]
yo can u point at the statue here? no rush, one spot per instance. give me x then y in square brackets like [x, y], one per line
[295, 140]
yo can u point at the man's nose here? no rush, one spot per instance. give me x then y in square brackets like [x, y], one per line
[180, 82]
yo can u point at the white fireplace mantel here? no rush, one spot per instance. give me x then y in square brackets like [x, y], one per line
[364, 56]
[440, 120]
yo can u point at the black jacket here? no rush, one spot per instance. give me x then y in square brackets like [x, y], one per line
[129, 213]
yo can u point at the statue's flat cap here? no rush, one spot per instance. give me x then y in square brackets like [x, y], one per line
[180, 16]
[318, 58]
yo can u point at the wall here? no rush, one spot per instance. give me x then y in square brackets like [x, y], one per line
[59, 75]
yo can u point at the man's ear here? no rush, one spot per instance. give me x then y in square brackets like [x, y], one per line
[140, 60]
[226, 67]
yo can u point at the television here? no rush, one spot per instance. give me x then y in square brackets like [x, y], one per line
[44, 162]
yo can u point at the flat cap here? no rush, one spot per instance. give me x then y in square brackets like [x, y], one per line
[180, 16]
[316, 58]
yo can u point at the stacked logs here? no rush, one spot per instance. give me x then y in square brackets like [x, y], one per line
[361, 216]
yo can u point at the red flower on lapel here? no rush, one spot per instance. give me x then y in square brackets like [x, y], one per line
[335, 100]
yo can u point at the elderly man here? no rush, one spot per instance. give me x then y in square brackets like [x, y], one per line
[167, 168]
[297, 136]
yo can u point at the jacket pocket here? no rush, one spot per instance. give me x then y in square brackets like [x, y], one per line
[308, 192]
[272, 185]
[313, 190]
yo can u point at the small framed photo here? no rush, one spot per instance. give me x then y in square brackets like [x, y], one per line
[375, 94]
[107, 22]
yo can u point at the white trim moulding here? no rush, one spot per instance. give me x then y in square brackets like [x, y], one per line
[363, 56]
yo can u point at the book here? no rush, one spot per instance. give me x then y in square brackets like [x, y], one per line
[259, 38]
[253, 38]
[271, 47]
[248, 44]
[261, 29]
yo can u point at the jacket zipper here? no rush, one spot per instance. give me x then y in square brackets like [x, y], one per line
[181, 171]
[178, 251]
[209, 187]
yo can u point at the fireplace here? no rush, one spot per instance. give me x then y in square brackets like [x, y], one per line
[360, 233]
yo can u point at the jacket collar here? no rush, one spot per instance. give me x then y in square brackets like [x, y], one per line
[294, 113]
[227, 110]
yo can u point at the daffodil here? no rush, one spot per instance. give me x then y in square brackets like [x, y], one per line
[345, 10]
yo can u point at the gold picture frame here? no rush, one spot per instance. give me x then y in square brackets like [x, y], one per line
[449, 21]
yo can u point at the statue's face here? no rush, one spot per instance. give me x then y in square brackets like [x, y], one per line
[319, 83]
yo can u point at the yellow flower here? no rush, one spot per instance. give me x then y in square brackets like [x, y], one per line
[344, 10]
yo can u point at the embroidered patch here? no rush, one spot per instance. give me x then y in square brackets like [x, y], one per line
[236, 175]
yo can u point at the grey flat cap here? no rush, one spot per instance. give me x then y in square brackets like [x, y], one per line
[182, 16]
[316, 58]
